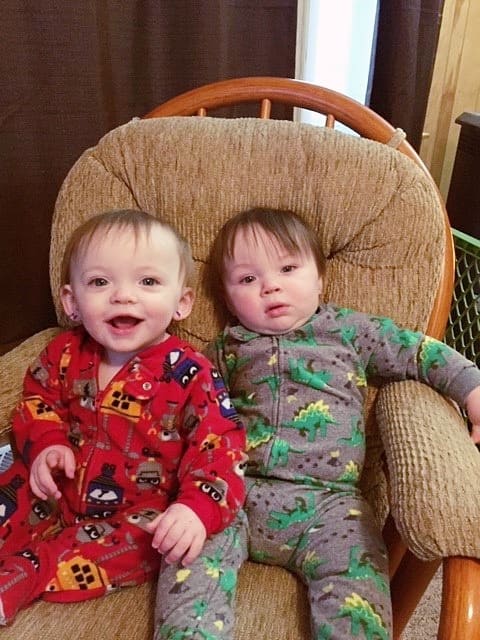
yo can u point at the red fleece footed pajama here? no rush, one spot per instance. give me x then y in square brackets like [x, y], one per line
[163, 430]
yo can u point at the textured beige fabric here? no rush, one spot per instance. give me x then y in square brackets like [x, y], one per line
[381, 227]
[434, 470]
[128, 614]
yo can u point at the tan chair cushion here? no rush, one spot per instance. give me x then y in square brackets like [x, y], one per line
[279, 612]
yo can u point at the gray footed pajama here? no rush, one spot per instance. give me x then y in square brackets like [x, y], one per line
[197, 601]
[301, 396]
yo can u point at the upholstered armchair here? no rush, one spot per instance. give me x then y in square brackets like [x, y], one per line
[384, 231]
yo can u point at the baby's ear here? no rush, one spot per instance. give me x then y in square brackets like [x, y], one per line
[320, 285]
[185, 304]
[68, 302]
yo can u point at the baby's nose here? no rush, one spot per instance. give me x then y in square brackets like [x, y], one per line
[124, 295]
[270, 287]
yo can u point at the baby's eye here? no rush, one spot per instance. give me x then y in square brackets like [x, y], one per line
[97, 282]
[287, 268]
[149, 282]
[247, 279]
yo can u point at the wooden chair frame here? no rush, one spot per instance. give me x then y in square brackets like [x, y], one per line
[460, 613]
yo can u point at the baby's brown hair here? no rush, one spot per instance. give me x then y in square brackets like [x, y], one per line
[285, 227]
[124, 219]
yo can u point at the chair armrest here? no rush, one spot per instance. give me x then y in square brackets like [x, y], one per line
[13, 366]
[434, 471]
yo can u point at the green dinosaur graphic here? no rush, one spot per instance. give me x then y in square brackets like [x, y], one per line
[299, 543]
[385, 325]
[312, 418]
[207, 636]
[351, 473]
[372, 367]
[227, 578]
[246, 335]
[324, 632]
[273, 383]
[213, 564]
[359, 376]
[360, 568]
[220, 342]
[167, 632]
[316, 483]
[228, 583]
[432, 354]
[348, 335]
[303, 511]
[310, 564]
[200, 607]
[279, 453]
[244, 400]
[233, 362]
[363, 617]
[357, 436]
[404, 337]
[304, 374]
[259, 433]
[233, 532]
[343, 312]
[260, 556]
[305, 336]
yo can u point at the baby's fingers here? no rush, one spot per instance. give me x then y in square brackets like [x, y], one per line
[43, 486]
[177, 551]
[52, 459]
[36, 489]
[69, 464]
[194, 551]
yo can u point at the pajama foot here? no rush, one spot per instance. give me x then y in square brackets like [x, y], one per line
[15, 587]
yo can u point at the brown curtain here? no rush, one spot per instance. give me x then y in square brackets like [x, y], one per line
[71, 71]
[407, 37]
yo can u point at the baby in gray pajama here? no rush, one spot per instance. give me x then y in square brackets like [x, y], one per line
[297, 372]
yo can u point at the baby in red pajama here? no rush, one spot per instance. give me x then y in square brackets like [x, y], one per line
[130, 449]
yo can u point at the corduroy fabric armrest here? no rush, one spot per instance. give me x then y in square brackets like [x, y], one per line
[13, 366]
[434, 471]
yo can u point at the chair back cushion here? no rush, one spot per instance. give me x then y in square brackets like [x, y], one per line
[377, 214]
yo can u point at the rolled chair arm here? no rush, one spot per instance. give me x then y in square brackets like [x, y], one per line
[13, 366]
[434, 471]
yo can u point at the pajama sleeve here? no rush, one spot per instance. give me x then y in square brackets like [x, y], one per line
[212, 466]
[398, 354]
[40, 419]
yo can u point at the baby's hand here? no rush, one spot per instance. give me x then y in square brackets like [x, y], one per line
[472, 405]
[178, 533]
[41, 479]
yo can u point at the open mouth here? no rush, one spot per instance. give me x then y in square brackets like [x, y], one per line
[124, 322]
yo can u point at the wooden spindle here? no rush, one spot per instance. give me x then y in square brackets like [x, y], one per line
[265, 109]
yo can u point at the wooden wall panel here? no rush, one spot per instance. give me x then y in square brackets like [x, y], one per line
[455, 87]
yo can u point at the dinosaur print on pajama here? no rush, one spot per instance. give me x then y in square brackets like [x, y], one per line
[302, 397]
